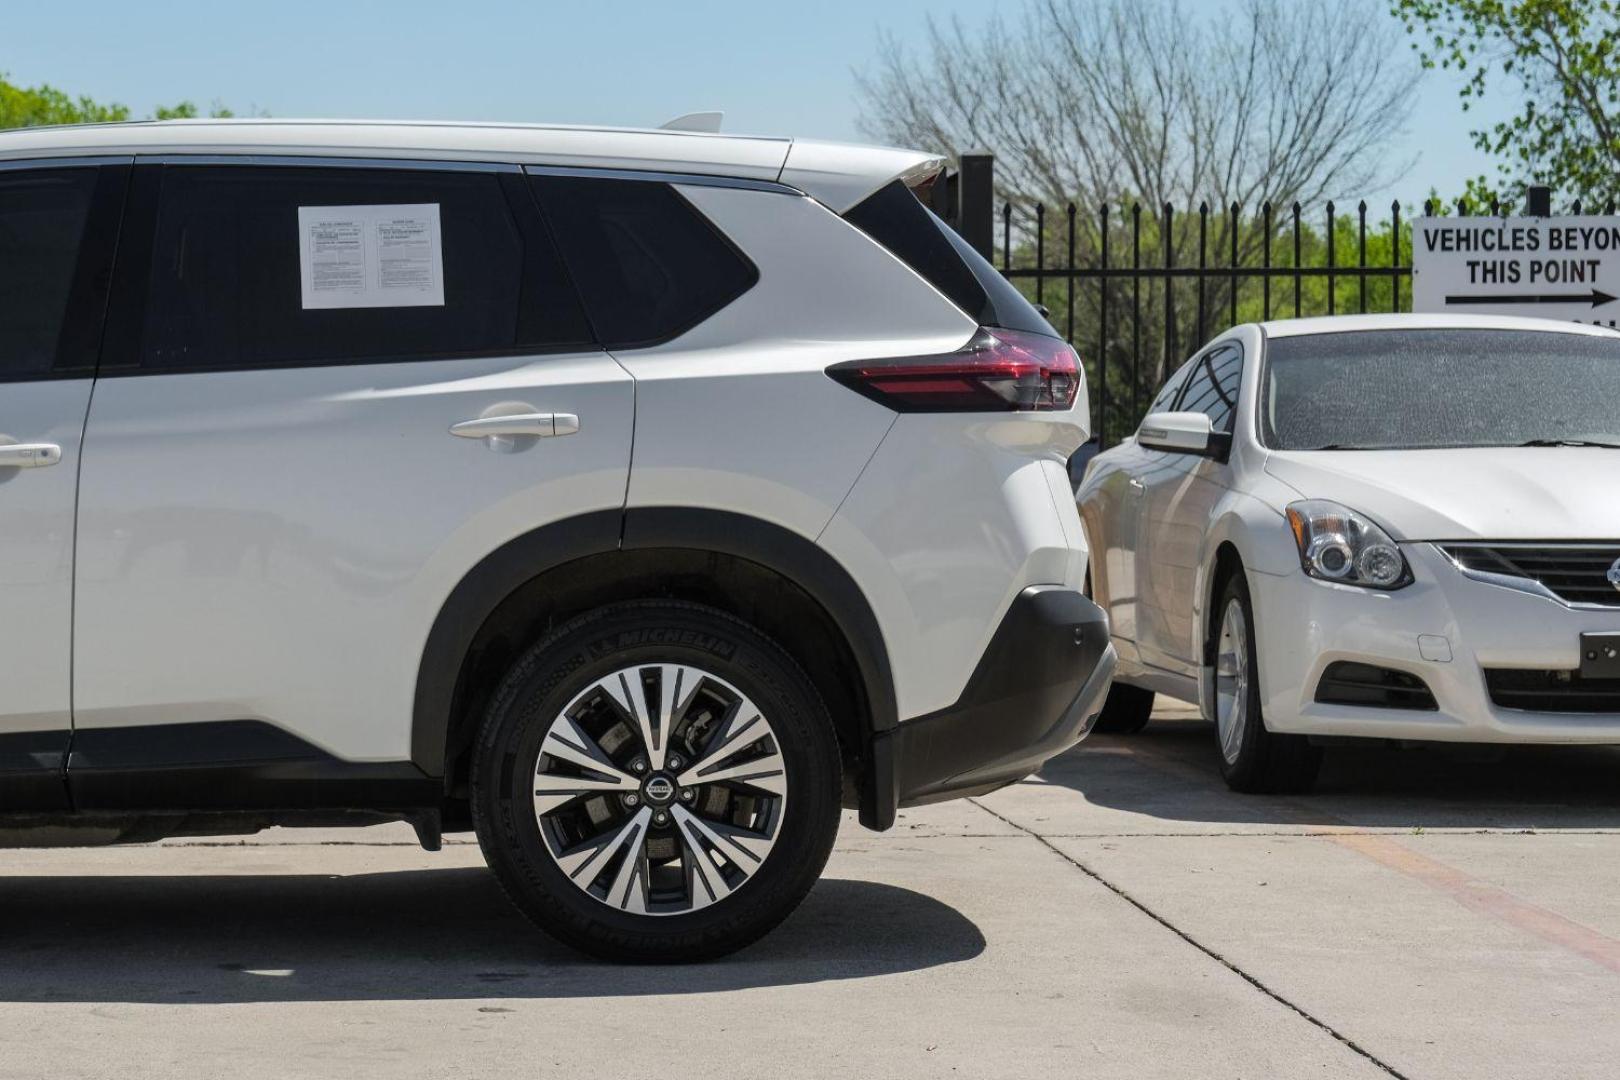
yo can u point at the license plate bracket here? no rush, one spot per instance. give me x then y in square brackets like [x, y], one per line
[1600, 655]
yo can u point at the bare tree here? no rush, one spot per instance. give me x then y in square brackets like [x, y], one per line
[1105, 100]
[1105, 103]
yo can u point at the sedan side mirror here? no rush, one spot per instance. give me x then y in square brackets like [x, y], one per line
[1183, 433]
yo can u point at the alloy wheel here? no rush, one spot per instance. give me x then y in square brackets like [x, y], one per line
[660, 789]
[1232, 681]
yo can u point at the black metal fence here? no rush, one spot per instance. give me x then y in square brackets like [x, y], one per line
[1137, 289]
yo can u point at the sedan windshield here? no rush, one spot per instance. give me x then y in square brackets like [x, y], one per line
[1428, 389]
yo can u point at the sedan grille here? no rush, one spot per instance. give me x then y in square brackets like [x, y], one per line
[1575, 573]
[1552, 691]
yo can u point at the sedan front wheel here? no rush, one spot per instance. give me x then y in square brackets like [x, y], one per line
[1253, 760]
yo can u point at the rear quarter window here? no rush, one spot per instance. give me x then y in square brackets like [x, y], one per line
[895, 218]
[649, 266]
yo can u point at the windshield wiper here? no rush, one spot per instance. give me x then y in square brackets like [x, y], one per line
[1571, 442]
[1350, 446]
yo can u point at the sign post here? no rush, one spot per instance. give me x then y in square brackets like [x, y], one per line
[1544, 267]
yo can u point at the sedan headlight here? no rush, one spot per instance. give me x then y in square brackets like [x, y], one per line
[1338, 544]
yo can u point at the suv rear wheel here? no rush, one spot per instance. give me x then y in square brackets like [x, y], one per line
[656, 781]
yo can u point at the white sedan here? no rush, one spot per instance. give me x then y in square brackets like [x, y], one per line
[1398, 527]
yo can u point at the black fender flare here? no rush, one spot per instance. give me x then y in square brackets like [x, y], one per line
[552, 546]
[479, 592]
[796, 558]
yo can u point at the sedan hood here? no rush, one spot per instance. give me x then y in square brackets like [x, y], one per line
[1507, 493]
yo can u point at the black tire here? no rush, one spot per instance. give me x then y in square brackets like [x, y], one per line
[567, 663]
[1262, 762]
[1125, 711]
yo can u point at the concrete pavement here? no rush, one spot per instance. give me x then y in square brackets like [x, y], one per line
[1120, 915]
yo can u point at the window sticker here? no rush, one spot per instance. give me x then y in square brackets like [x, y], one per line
[371, 256]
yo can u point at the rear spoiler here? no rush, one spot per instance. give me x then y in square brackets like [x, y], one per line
[841, 175]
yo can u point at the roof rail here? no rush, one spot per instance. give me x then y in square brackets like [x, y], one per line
[707, 122]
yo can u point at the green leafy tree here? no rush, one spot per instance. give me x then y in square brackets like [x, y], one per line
[36, 106]
[187, 110]
[1562, 57]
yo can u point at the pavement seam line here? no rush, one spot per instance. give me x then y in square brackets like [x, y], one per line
[1253, 981]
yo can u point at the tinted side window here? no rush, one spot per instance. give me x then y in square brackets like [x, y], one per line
[42, 223]
[895, 218]
[648, 265]
[1167, 396]
[227, 287]
[1213, 386]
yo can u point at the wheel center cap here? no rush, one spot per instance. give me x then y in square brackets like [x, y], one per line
[659, 790]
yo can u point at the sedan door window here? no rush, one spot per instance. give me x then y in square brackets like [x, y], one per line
[1213, 387]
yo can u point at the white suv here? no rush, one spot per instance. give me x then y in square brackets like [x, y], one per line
[635, 498]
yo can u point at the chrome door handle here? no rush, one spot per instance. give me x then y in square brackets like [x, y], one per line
[535, 425]
[29, 455]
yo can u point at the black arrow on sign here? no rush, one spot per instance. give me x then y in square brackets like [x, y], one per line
[1596, 297]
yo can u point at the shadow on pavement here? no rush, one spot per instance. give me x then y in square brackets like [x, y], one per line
[410, 935]
[1170, 771]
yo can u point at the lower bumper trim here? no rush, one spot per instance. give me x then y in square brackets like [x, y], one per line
[1035, 693]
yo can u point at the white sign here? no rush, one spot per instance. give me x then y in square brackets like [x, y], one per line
[371, 256]
[1549, 268]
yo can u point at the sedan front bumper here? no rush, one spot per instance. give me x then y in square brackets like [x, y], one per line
[1444, 628]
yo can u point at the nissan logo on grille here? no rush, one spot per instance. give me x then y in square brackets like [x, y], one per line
[1614, 574]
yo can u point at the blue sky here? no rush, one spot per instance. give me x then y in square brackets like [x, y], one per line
[775, 68]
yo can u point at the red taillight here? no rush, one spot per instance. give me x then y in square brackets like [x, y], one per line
[998, 371]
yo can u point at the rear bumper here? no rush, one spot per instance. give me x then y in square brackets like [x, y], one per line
[1036, 692]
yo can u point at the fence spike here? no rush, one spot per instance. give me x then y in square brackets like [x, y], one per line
[1040, 254]
[1006, 236]
[1102, 338]
[1332, 284]
[1232, 260]
[1203, 262]
[1136, 308]
[1298, 279]
[1167, 227]
[1395, 256]
[1069, 291]
[1361, 255]
[1265, 259]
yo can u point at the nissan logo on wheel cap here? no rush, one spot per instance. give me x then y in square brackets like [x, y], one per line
[660, 789]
